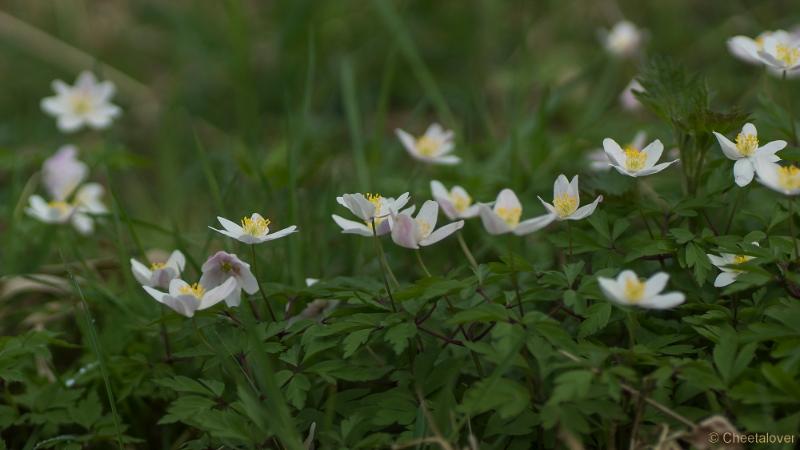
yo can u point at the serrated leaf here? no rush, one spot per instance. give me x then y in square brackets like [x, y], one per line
[398, 336]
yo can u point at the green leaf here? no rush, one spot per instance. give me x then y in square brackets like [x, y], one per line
[399, 335]
[354, 340]
[505, 396]
[596, 319]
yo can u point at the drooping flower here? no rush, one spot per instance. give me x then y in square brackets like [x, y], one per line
[635, 162]
[455, 203]
[223, 266]
[433, 147]
[628, 99]
[421, 231]
[504, 216]
[783, 179]
[780, 54]
[185, 298]
[567, 198]
[727, 262]
[253, 229]
[370, 208]
[87, 103]
[63, 172]
[747, 153]
[160, 273]
[628, 289]
[599, 160]
[623, 40]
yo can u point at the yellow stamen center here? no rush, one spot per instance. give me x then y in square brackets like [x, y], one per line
[226, 266]
[195, 290]
[81, 105]
[427, 146]
[255, 227]
[787, 55]
[460, 201]
[789, 177]
[510, 215]
[377, 202]
[740, 259]
[424, 228]
[565, 204]
[760, 42]
[634, 159]
[634, 290]
[157, 265]
[746, 144]
[62, 207]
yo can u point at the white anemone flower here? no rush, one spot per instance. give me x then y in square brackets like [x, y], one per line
[222, 266]
[628, 99]
[53, 212]
[623, 40]
[455, 203]
[86, 103]
[780, 55]
[86, 203]
[160, 273]
[727, 262]
[63, 172]
[747, 48]
[253, 229]
[627, 289]
[599, 160]
[783, 179]
[421, 231]
[566, 199]
[635, 162]
[504, 216]
[433, 147]
[369, 208]
[185, 298]
[747, 153]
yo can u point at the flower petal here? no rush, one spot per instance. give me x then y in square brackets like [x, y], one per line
[491, 221]
[534, 224]
[442, 233]
[728, 147]
[653, 152]
[614, 152]
[743, 172]
[665, 301]
[404, 231]
[586, 210]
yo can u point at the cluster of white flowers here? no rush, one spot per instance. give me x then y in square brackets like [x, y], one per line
[777, 50]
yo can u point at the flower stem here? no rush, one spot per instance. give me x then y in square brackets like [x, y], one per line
[790, 109]
[791, 230]
[465, 249]
[631, 325]
[514, 278]
[422, 264]
[569, 235]
[260, 289]
[384, 266]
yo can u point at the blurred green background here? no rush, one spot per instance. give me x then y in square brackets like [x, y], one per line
[277, 107]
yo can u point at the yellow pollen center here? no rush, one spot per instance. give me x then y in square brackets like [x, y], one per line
[157, 265]
[81, 105]
[760, 42]
[787, 55]
[377, 202]
[634, 290]
[460, 202]
[746, 144]
[740, 259]
[226, 267]
[634, 159]
[195, 290]
[427, 146]
[255, 227]
[789, 177]
[510, 215]
[62, 207]
[565, 204]
[424, 228]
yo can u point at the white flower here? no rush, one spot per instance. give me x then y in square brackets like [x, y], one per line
[222, 266]
[187, 298]
[628, 99]
[85, 103]
[419, 232]
[724, 262]
[747, 153]
[566, 199]
[780, 54]
[634, 162]
[55, 211]
[747, 48]
[784, 179]
[628, 289]
[432, 147]
[253, 229]
[623, 40]
[369, 208]
[62, 173]
[598, 159]
[159, 274]
[79, 212]
[504, 216]
[455, 203]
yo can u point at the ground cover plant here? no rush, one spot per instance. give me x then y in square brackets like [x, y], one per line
[399, 224]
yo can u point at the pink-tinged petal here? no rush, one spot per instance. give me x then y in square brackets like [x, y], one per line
[534, 224]
[493, 223]
[177, 260]
[448, 208]
[471, 212]
[248, 282]
[665, 301]
[442, 233]
[743, 172]
[404, 231]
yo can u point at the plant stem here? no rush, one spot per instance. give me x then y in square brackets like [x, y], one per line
[569, 235]
[422, 263]
[739, 195]
[384, 266]
[260, 289]
[465, 249]
[630, 324]
[790, 109]
[514, 277]
[791, 230]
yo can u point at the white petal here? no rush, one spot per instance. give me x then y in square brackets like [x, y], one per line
[279, 234]
[587, 210]
[230, 226]
[771, 147]
[611, 289]
[141, 272]
[614, 152]
[507, 199]
[561, 186]
[218, 294]
[743, 172]
[653, 152]
[438, 190]
[404, 231]
[665, 301]
[492, 222]
[655, 284]
[156, 294]
[177, 260]
[749, 128]
[428, 213]
[442, 233]
[351, 227]
[408, 141]
[725, 278]
[534, 224]
[728, 147]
